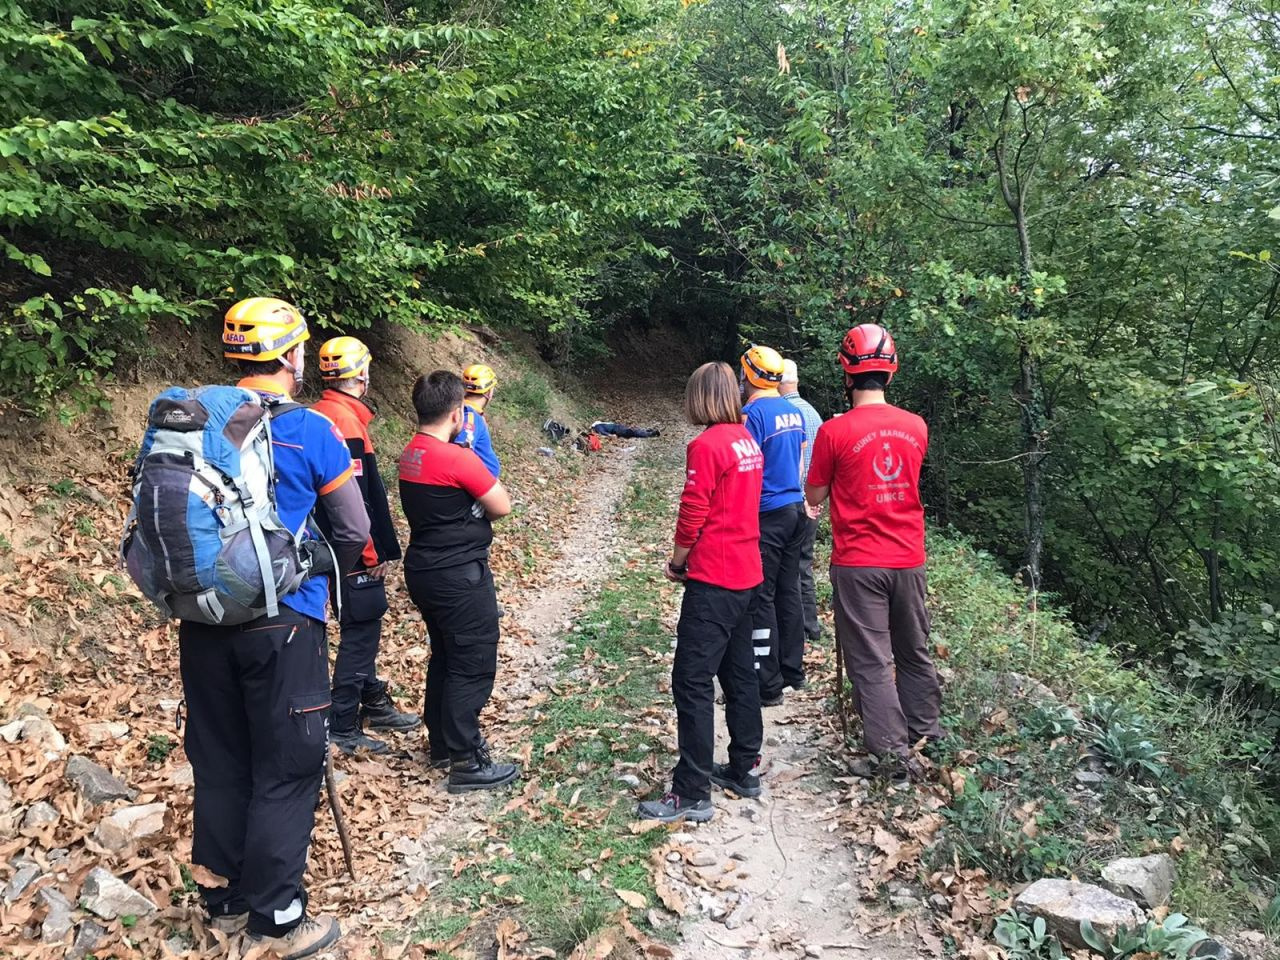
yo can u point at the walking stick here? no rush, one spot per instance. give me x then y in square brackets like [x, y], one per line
[331, 788]
[840, 704]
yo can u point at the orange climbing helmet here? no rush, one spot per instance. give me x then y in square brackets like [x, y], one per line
[344, 358]
[262, 328]
[762, 367]
[868, 348]
[478, 379]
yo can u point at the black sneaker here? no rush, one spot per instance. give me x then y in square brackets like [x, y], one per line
[352, 742]
[477, 771]
[774, 701]
[747, 785]
[796, 685]
[672, 809]
[380, 713]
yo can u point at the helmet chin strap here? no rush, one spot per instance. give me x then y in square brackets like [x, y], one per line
[295, 370]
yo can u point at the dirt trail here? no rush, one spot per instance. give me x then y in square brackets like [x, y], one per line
[799, 883]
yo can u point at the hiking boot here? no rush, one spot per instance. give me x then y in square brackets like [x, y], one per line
[307, 939]
[774, 701]
[229, 923]
[352, 742]
[672, 809]
[477, 771]
[746, 785]
[896, 770]
[797, 685]
[380, 713]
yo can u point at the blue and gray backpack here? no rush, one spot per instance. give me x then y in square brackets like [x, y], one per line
[203, 540]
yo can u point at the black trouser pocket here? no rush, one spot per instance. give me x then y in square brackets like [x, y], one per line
[364, 598]
[307, 735]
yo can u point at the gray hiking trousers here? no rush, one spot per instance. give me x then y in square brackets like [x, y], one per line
[882, 626]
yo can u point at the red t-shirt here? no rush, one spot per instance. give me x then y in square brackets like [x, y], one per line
[720, 507]
[870, 458]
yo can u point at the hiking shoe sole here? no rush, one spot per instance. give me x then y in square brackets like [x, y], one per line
[488, 785]
[692, 815]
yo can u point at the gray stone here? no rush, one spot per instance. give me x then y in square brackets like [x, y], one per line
[1064, 904]
[1029, 688]
[183, 776]
[703, 858]
[904, 901]
[24, 876]
[96, 784]
[739, 915]
[109, 897]
[88, 936]
[1090, 778]
[1148, 880]
[629, 780]
[38, 814]
[128, 825]
[33, 726]
[58, 920]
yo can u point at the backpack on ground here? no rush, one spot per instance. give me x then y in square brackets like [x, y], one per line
[203, 540]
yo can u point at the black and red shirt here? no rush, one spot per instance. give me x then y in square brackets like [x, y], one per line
[439, 486]
[720, 507]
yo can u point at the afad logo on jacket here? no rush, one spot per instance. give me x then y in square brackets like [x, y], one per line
[750, 456]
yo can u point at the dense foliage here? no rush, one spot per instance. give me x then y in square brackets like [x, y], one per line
[1063, 210]
[1064, 213]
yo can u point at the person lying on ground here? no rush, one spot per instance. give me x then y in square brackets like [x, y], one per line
[608, 428]
[716, 555]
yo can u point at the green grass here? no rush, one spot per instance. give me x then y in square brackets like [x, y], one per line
[1174, 778]
[561, 855]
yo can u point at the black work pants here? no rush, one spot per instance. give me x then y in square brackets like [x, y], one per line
[355, 670]
[777, 620]
[808, 591]
[257, 731]
[713, 639]
[460, 608]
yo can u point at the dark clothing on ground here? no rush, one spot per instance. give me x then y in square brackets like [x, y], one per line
[777, 618]
[882, 625]
[622, 430]
[808, 591]
[439, 486]
[257, 730]
[460, 608]
[355, 677]
[714, 640]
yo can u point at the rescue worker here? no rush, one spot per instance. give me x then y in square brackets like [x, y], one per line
[716, 555]
[359, 697]
[479, 382]
[777, 618]
[790, 388]
[257, 694]
[450, 500]
[868, 461]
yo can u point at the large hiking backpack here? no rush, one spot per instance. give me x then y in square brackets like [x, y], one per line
[203, 540]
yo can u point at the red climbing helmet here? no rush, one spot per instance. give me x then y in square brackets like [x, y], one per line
[868, 348]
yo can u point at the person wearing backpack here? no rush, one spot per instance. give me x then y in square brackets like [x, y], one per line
[868, 463]
[479, 382]
[776, 611]
[257, 692]
[359, 697]
[450, 500]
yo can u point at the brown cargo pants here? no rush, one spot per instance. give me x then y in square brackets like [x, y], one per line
[882, 626]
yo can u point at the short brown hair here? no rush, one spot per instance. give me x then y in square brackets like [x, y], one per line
[436, 395]
[712, 396]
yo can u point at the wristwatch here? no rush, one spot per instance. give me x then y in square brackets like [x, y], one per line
[683, 568]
